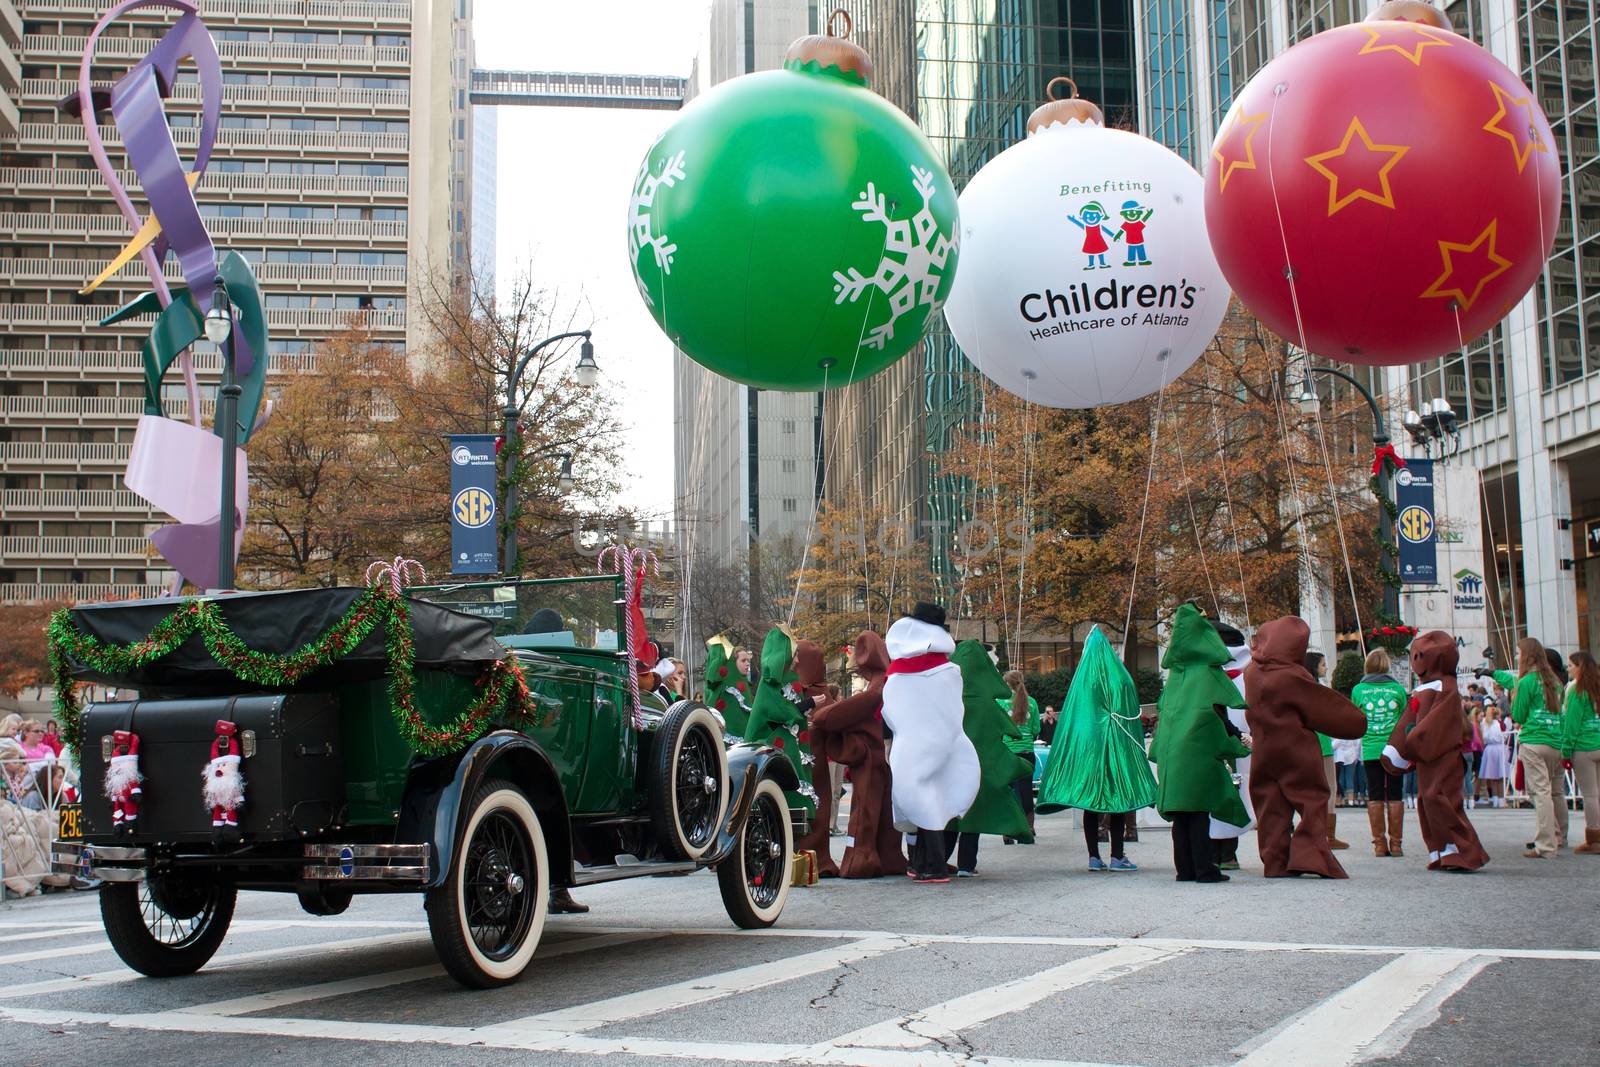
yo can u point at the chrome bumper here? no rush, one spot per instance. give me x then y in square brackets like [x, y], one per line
[368, 863]
[108, 863]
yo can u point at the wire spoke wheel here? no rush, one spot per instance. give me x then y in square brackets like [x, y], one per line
[754, 879]
[168, 924]
[500, 870]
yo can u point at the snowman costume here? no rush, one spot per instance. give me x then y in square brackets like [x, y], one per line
[1240, 650]
[933, 765]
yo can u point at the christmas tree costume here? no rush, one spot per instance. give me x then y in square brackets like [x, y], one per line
[775, 716]
[934, 766]
[725, 691]
[1429, 736]
[850, 731]
[1191, 747]
[1099, 762]
[1287, 709]
[813, 693]
[995, 809]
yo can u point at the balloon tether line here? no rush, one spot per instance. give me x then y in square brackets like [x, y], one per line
[1144, 511]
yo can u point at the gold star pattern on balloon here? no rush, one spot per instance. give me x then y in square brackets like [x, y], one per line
[1466, 264]
[1404, 38]
[1245, 158]
[1362, 182]
[1523, 136]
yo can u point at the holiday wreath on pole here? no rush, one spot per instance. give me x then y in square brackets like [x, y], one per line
[502, 689]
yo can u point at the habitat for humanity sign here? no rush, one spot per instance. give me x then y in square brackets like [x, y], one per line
[472, 504]
[1468, 592]
[1416, 526]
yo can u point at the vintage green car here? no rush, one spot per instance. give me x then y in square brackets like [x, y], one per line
[520, 763]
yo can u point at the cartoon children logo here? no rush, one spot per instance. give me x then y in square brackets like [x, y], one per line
[1095, 233]
[1134, 216]
[1091, 219]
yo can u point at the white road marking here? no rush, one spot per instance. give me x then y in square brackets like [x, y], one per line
[711, 987]
[365, 983]
[1339, 1030]
[525, 1040]
[124, 974]
[58, 931]
[944, 1022]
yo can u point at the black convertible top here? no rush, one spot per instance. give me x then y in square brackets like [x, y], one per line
[280, 623]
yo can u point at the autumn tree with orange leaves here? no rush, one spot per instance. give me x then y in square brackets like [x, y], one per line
[1217, 491]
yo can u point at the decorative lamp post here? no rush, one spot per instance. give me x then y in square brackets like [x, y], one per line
[1309, 403]
[586, 374]
[219, 331]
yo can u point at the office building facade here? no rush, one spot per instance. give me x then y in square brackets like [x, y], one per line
[746, 460]
[1519, 500]
[341, 172]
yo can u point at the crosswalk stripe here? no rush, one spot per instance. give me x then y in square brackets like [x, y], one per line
[1339, 1030]
[711, 987]
[124, 974]
[365, 983]
[943, 1022]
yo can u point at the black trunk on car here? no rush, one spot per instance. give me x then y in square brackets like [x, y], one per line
[293, 766]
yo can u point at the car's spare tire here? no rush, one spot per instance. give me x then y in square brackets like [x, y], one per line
[688, 781]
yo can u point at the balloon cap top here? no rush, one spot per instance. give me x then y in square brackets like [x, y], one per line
[831, 53]
[1411, 11]
[1064, 111]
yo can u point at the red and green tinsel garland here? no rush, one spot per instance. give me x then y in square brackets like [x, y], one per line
[503, 688]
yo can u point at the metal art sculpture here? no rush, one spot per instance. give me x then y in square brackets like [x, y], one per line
[177, 467]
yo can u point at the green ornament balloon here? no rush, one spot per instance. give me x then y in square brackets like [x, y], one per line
[793, 230]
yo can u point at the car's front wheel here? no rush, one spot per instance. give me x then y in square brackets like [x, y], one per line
[688, 781]
[168, 924]
[754, 879]
[487, 917]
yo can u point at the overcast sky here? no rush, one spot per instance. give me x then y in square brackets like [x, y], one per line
[565, 175]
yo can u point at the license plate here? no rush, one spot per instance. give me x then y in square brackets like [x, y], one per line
[69, 822]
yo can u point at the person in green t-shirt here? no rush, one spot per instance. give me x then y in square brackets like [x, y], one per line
[1581, 739]
[1023, 711]
[1382, 700]
[1536, 709]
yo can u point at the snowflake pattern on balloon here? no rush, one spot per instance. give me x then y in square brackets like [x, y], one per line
[641, 227]
[915, 252]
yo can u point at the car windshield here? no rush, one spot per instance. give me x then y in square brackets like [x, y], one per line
[545, 613]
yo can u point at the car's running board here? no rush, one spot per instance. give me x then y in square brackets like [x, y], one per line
[616, 872]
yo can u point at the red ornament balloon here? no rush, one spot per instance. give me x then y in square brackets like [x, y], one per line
[1385, 191]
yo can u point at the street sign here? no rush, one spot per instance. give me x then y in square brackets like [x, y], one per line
[1416, 525]
[472, 505]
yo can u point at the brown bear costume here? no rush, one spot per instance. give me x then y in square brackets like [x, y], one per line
[811, 686]
[1429, 735]
[1286, 710]
[850, 731]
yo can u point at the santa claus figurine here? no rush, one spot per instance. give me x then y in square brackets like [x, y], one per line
[122, 781]
[933, 764]
[224, 783]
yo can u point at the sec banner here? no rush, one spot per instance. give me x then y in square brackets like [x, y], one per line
[1416, 525]
[472, 505]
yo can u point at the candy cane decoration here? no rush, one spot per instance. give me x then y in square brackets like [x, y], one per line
[633, 564]
[398, 571]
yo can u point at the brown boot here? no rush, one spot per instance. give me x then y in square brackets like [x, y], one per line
[1380, 846]
[1334, 842]
[1397, 824]
[1591, 843]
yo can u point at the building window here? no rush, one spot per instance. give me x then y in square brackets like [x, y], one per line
[788, 426]
[788, 466]
[790, 505]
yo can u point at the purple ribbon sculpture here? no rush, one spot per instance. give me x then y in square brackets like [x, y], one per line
[177, 467]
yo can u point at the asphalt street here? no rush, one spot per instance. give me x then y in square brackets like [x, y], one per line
[1035, 961]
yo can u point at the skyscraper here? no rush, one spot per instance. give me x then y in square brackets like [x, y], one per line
[969, 74]
[745, 459]
[341, 172]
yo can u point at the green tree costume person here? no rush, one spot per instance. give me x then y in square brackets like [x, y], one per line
[774, 717]
[1191, 747]
[1098, 762]
[726, 689]
[995, 810]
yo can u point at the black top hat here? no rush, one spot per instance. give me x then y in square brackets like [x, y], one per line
[1230, 635]
[932, 614]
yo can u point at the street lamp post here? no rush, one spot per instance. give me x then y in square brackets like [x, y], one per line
[586, 373]
[1380, 437]
[219, 331]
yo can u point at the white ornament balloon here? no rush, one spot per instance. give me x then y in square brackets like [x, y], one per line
[1086, 277]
